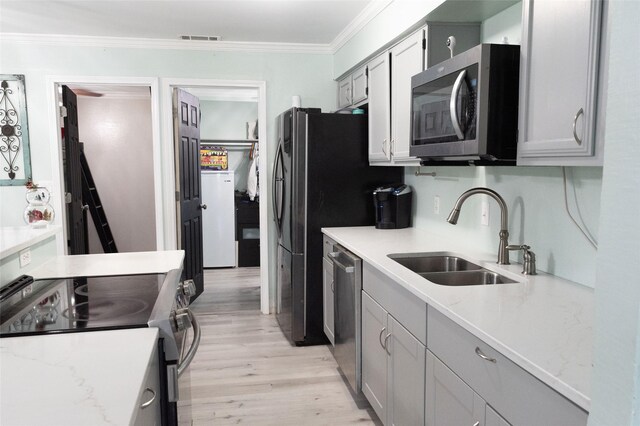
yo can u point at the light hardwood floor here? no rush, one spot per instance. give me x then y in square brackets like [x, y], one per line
[246, 372]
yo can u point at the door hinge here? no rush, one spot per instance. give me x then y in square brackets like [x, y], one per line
[67, 198]
[366, 71]
[424, 43]
[177, 195]
[63, 111]
[366, 91]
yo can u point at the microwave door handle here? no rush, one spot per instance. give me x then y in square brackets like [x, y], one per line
[453, 104]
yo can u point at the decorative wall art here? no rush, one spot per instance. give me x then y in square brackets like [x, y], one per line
[15, 157]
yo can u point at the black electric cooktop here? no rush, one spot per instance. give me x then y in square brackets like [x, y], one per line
[78, 304]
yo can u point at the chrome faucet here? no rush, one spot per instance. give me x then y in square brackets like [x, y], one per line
[503, 253]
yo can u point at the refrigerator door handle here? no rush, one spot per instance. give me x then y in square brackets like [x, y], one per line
[275, 180]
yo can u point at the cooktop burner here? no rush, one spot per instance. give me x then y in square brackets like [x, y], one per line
[80, 303]
[107, 310]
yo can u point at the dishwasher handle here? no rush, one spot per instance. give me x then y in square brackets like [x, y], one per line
[336, 262]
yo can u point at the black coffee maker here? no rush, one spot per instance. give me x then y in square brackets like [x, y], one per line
[393, 206]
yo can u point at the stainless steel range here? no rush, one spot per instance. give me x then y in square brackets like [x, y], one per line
[85, 304]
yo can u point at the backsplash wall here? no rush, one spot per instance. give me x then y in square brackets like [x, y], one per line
[537, 216]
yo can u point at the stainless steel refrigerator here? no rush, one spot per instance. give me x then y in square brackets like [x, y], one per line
[321, 178]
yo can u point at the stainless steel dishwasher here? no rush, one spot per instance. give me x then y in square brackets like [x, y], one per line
[347, 299]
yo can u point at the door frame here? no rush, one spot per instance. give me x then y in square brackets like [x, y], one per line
[168, 165]
[55, 121]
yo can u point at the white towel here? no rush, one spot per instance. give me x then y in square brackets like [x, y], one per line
[252, 179]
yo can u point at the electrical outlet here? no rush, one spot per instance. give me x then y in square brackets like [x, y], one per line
[25, 257]
[484, 214]
[436, 204]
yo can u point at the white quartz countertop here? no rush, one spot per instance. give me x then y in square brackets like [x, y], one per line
[16, 238]
[93, 265]
[542, 323]
[92, 378]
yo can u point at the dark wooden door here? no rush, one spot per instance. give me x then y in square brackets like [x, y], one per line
[187, 139]
[77, 230]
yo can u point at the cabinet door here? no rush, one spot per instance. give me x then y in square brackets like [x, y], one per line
[359, 85]
[406, 61]
[379, 110]
[491, 418]
[374, 355]
[344, 92]
[558, 77]
[449, 400]
[327, 299]
[406, 377]
[148, 406]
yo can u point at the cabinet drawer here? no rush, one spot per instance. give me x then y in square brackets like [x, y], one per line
[517, 395]
[410, 311]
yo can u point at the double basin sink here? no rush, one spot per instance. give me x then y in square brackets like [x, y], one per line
[448, 269]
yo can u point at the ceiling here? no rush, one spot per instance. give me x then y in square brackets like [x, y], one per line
[271, 21]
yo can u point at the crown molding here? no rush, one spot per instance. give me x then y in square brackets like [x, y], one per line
[372, 10]
[149, 43]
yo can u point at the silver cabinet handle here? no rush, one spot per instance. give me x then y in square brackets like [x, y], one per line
[149, 402]
[380, 338]
[392, 146]
[182, 366]
[384, 142]
[85, 207]
[453, 103]
[483, 356]
[386, 348]
[333, 289]
[202, 206]
[476, 424]
[575, 121]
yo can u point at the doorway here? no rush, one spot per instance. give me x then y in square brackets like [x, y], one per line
[235, 146]
[117, 123]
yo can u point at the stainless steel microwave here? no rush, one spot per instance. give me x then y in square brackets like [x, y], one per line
[466, 108]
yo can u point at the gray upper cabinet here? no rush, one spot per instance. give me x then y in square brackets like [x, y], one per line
[344, 92]
[379, 110]
[359, 85]
[559, 72]
[406, 61]
[352, 89]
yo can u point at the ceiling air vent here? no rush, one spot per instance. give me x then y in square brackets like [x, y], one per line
[200, 38]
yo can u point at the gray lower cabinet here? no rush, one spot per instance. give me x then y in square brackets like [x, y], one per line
[393, 367]
[327, 290]
[327, 299]
[148, 411]
[518, 396]
[451, 401]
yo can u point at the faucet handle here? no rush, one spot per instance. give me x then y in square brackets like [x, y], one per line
[529, 258]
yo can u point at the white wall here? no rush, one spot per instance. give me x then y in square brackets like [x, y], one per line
[228, 120]
[285, 74]
[616, 376]
[118, 143]
[535, 201]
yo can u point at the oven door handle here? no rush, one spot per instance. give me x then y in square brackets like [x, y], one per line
[453, 104]
[195, 343]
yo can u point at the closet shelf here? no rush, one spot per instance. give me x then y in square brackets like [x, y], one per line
[229, 142]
